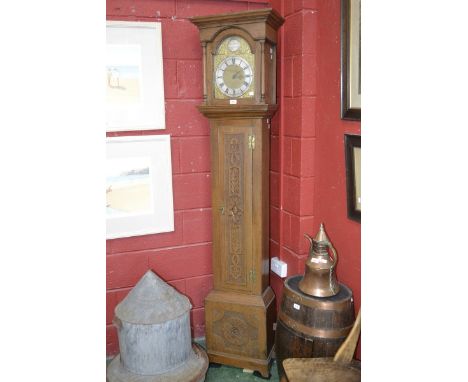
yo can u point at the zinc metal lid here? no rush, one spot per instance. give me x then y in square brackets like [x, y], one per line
[152, 301]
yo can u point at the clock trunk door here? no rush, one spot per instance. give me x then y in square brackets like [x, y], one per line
[232, 237]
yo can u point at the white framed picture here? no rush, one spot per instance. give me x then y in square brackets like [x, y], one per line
[138, 186]
[134, 76]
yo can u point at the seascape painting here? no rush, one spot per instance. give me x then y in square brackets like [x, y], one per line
[138, 186]
[123, 74]
[134, 77]
[128, 187]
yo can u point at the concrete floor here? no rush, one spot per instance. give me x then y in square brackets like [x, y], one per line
[227, 373]
[222, 373]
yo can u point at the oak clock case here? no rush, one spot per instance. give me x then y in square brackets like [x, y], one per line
[239, 60]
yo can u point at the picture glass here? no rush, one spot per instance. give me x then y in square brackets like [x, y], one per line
[123, 74]
[354, 74]
[134, 76]
[129, 187]
[353, 175]
[357, 176]
[351, 59]
[139, 198]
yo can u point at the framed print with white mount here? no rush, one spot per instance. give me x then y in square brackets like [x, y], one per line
[139, 197]
[351, 59]
[134, 81]
[353, 176]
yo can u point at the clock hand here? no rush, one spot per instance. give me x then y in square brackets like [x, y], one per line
[235, 74]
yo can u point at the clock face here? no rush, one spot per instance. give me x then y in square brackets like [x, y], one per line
[234, 76]
[234, 69]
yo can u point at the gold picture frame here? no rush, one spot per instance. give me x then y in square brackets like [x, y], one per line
[351, 59]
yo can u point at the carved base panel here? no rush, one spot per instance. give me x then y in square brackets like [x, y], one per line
[239, 329]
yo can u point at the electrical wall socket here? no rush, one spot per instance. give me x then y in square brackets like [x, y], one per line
[279, 267]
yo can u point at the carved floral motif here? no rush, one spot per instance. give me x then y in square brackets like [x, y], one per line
[234, 168]
[236, 332]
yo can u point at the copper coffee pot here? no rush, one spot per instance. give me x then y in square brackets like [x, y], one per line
[320, 279]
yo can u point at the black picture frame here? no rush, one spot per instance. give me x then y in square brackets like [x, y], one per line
[350, 68]
[353, 176]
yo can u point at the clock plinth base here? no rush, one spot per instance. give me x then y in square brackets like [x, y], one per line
[262, 366]
[239, 329]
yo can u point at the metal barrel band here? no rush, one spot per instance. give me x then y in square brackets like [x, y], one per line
[314, 332]
[313, 303]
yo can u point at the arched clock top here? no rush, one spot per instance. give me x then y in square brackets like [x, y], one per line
[233, 32]
[260, 23]
[239, 57]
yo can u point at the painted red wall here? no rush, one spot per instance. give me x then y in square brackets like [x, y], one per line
[308, 179]
[182, 257]
[293, 166]
[307, 174]
[330, 191]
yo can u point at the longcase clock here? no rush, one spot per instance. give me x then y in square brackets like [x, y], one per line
[239, 61]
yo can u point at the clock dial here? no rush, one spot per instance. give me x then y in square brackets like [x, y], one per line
[234, 76]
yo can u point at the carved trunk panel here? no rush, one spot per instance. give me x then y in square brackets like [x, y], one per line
[234, 200]
[235, 174]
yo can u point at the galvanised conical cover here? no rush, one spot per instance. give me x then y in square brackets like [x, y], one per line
[153, 326]
[152, 301]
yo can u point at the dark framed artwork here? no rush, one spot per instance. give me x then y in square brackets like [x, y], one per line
[351, 59]
[353, 175]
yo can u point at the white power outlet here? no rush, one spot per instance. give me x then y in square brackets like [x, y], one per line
[279, 267]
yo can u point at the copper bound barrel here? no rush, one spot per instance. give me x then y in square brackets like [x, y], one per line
[311, 326]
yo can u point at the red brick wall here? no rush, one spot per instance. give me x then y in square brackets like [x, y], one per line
[330, 192]
[294, 134]
[182, 257]
[308, 179]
